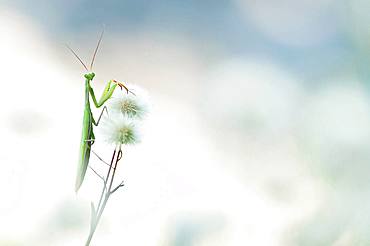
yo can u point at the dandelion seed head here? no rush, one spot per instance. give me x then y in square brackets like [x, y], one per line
[120, 130]
[132, 104]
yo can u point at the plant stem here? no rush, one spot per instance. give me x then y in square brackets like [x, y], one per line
[96, 215]
[106, 180]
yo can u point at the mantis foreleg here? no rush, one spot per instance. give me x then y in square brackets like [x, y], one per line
[107, 93]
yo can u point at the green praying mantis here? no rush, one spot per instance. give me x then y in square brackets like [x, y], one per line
[88, 137]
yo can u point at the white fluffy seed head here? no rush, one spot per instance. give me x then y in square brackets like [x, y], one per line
[119, 130]
[132, 104]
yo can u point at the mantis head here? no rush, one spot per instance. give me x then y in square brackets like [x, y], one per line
[89, 76]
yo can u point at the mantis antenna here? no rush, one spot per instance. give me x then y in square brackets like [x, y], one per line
[96, 49]
[74, 53]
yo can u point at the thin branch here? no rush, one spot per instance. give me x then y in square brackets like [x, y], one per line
[106, 180]
[118, 186]
[119, 156]
[106, 192]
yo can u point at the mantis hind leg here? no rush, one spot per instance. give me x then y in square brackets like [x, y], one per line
[100, 158]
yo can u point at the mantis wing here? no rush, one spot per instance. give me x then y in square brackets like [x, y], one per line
[85, 147]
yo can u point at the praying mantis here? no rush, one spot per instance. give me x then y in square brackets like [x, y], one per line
[88, 123]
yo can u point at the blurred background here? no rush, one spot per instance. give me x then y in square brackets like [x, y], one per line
[259, 132]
